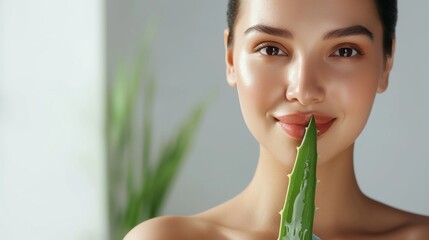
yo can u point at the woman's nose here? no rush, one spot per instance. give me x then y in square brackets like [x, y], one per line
[304, 83]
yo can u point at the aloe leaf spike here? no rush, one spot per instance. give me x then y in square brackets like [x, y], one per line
[298, 211]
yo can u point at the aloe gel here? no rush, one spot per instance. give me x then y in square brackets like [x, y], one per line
[297, 214]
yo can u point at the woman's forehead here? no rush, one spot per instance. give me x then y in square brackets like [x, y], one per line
[311, 14]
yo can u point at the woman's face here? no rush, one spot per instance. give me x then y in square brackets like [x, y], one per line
[294, 58]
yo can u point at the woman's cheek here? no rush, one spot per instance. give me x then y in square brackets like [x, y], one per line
[258, 92]
[356, 94]
[355, 86]
[251, 88]
[257, 83]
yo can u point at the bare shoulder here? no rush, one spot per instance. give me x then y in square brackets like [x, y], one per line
[167, 228]
[412, 227]
[417, 227]
[388, 222]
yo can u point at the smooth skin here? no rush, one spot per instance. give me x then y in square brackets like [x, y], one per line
[308, 57]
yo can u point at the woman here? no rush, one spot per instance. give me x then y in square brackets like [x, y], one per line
[288, 60]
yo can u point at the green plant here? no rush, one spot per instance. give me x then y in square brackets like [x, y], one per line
[298, 212]
[137, 182]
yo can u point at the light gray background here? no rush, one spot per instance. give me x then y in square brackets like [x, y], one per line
[392, 162]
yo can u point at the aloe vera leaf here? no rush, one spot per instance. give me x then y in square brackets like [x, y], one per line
[298, 211]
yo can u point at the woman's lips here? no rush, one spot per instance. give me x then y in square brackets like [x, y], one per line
[294, 124]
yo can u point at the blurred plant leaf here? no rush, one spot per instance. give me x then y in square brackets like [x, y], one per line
[171, 158]
[139, 184]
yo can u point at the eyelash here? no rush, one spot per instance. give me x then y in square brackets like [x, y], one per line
[356, 51]
[265, 46]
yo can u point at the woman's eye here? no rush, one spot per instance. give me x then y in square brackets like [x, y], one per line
[271, 51]
[346, 52]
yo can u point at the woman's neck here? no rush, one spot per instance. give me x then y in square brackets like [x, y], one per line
[337, 194]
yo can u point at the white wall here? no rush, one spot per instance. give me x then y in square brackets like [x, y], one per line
[391, 159]
[51, 120]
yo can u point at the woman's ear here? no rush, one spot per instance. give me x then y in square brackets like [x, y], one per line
[384, 82]
[229, 60]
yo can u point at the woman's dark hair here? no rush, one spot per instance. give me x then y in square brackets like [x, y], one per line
[387, 11]
[231, 18]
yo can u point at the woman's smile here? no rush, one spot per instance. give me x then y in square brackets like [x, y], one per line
[294, 124]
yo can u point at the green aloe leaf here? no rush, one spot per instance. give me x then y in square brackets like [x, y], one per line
[297, 215]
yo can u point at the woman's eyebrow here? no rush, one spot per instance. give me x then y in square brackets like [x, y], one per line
[269, 30]
[341, 32]
[349, 31]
